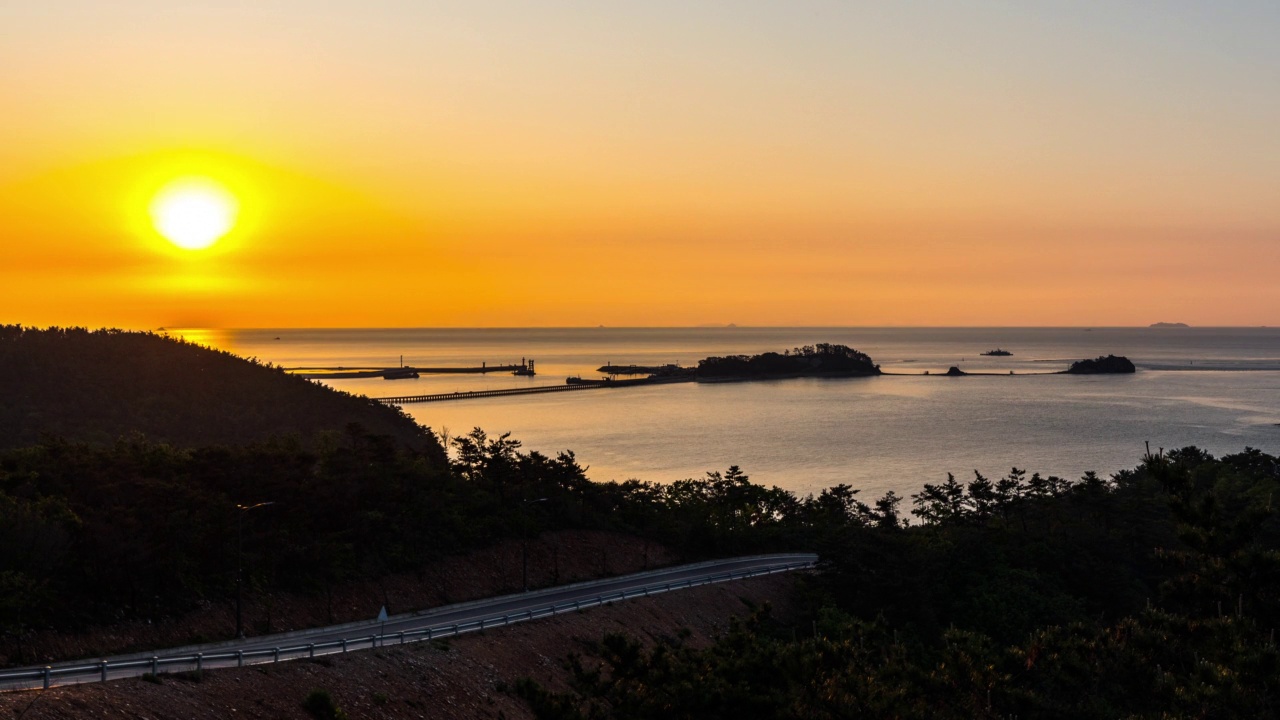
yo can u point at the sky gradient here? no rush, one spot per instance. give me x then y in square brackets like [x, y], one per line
[549, 163]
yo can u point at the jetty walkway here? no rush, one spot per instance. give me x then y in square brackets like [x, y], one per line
[330, 373]
[470, 394]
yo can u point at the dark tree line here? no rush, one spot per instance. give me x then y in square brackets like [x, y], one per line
[1154, 593]
[138, 530]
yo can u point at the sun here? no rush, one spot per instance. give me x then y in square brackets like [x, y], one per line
[194, 213]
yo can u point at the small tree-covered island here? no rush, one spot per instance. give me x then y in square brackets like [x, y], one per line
[819, 360]
[1109, 365]
[1152, 593]
[831, 360]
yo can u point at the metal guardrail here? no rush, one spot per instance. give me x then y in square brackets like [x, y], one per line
[104, 670]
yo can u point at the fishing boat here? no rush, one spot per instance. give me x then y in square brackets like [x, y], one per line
[400, 374]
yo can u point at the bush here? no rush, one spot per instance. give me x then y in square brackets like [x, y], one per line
[319, 704]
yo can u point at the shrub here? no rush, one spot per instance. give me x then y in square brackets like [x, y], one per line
[319, 704]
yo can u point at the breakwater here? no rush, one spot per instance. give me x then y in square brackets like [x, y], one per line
[473, 394]
[321, 373]
[572, 385]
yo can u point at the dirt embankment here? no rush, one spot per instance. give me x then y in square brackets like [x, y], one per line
[468, 677]
[554, 559]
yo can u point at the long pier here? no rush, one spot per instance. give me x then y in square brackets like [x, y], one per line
[316, 373]
[470, 394]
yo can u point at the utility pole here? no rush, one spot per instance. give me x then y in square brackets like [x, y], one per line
[240, 511]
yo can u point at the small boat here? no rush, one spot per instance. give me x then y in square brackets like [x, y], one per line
[579, 380]
[400, 374]
[997, 353]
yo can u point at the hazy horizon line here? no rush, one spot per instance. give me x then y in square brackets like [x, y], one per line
[715, 327]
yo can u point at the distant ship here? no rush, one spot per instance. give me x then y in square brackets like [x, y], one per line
[997, 353]
[579, 380]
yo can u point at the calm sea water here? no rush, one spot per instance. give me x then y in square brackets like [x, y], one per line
[1215, 388]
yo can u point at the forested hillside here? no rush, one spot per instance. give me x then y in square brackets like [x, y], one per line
[1152, 594]
[98, 386]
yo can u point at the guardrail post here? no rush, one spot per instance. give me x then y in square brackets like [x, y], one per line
[311, 649]
[428, 633]
[199, 662]
[530, 614]
[344, 645]
[401, 637]
[455, 630]
[104, 671]
[239, 658]
[481, 623]
[505, 621]
[577, 604]
[48, 672]
[155, 665]
[277, 655]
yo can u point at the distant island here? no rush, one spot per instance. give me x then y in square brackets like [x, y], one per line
[821, 360]
[1168, 325]
[1109, 365]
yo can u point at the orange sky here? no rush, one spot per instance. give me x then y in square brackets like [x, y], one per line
[558, 163]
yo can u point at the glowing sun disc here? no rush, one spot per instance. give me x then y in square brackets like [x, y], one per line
[193, 213]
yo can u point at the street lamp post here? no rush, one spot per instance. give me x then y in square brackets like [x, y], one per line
[240, 511]
[524, 542]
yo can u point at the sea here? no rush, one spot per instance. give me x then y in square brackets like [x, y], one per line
[1214, 388]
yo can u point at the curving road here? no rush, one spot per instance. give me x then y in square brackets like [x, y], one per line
[447, 621]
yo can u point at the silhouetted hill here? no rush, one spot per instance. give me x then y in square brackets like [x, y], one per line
[97, 386]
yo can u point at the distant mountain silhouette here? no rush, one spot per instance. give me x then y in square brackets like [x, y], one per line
[97, 386]
[1168, 325]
